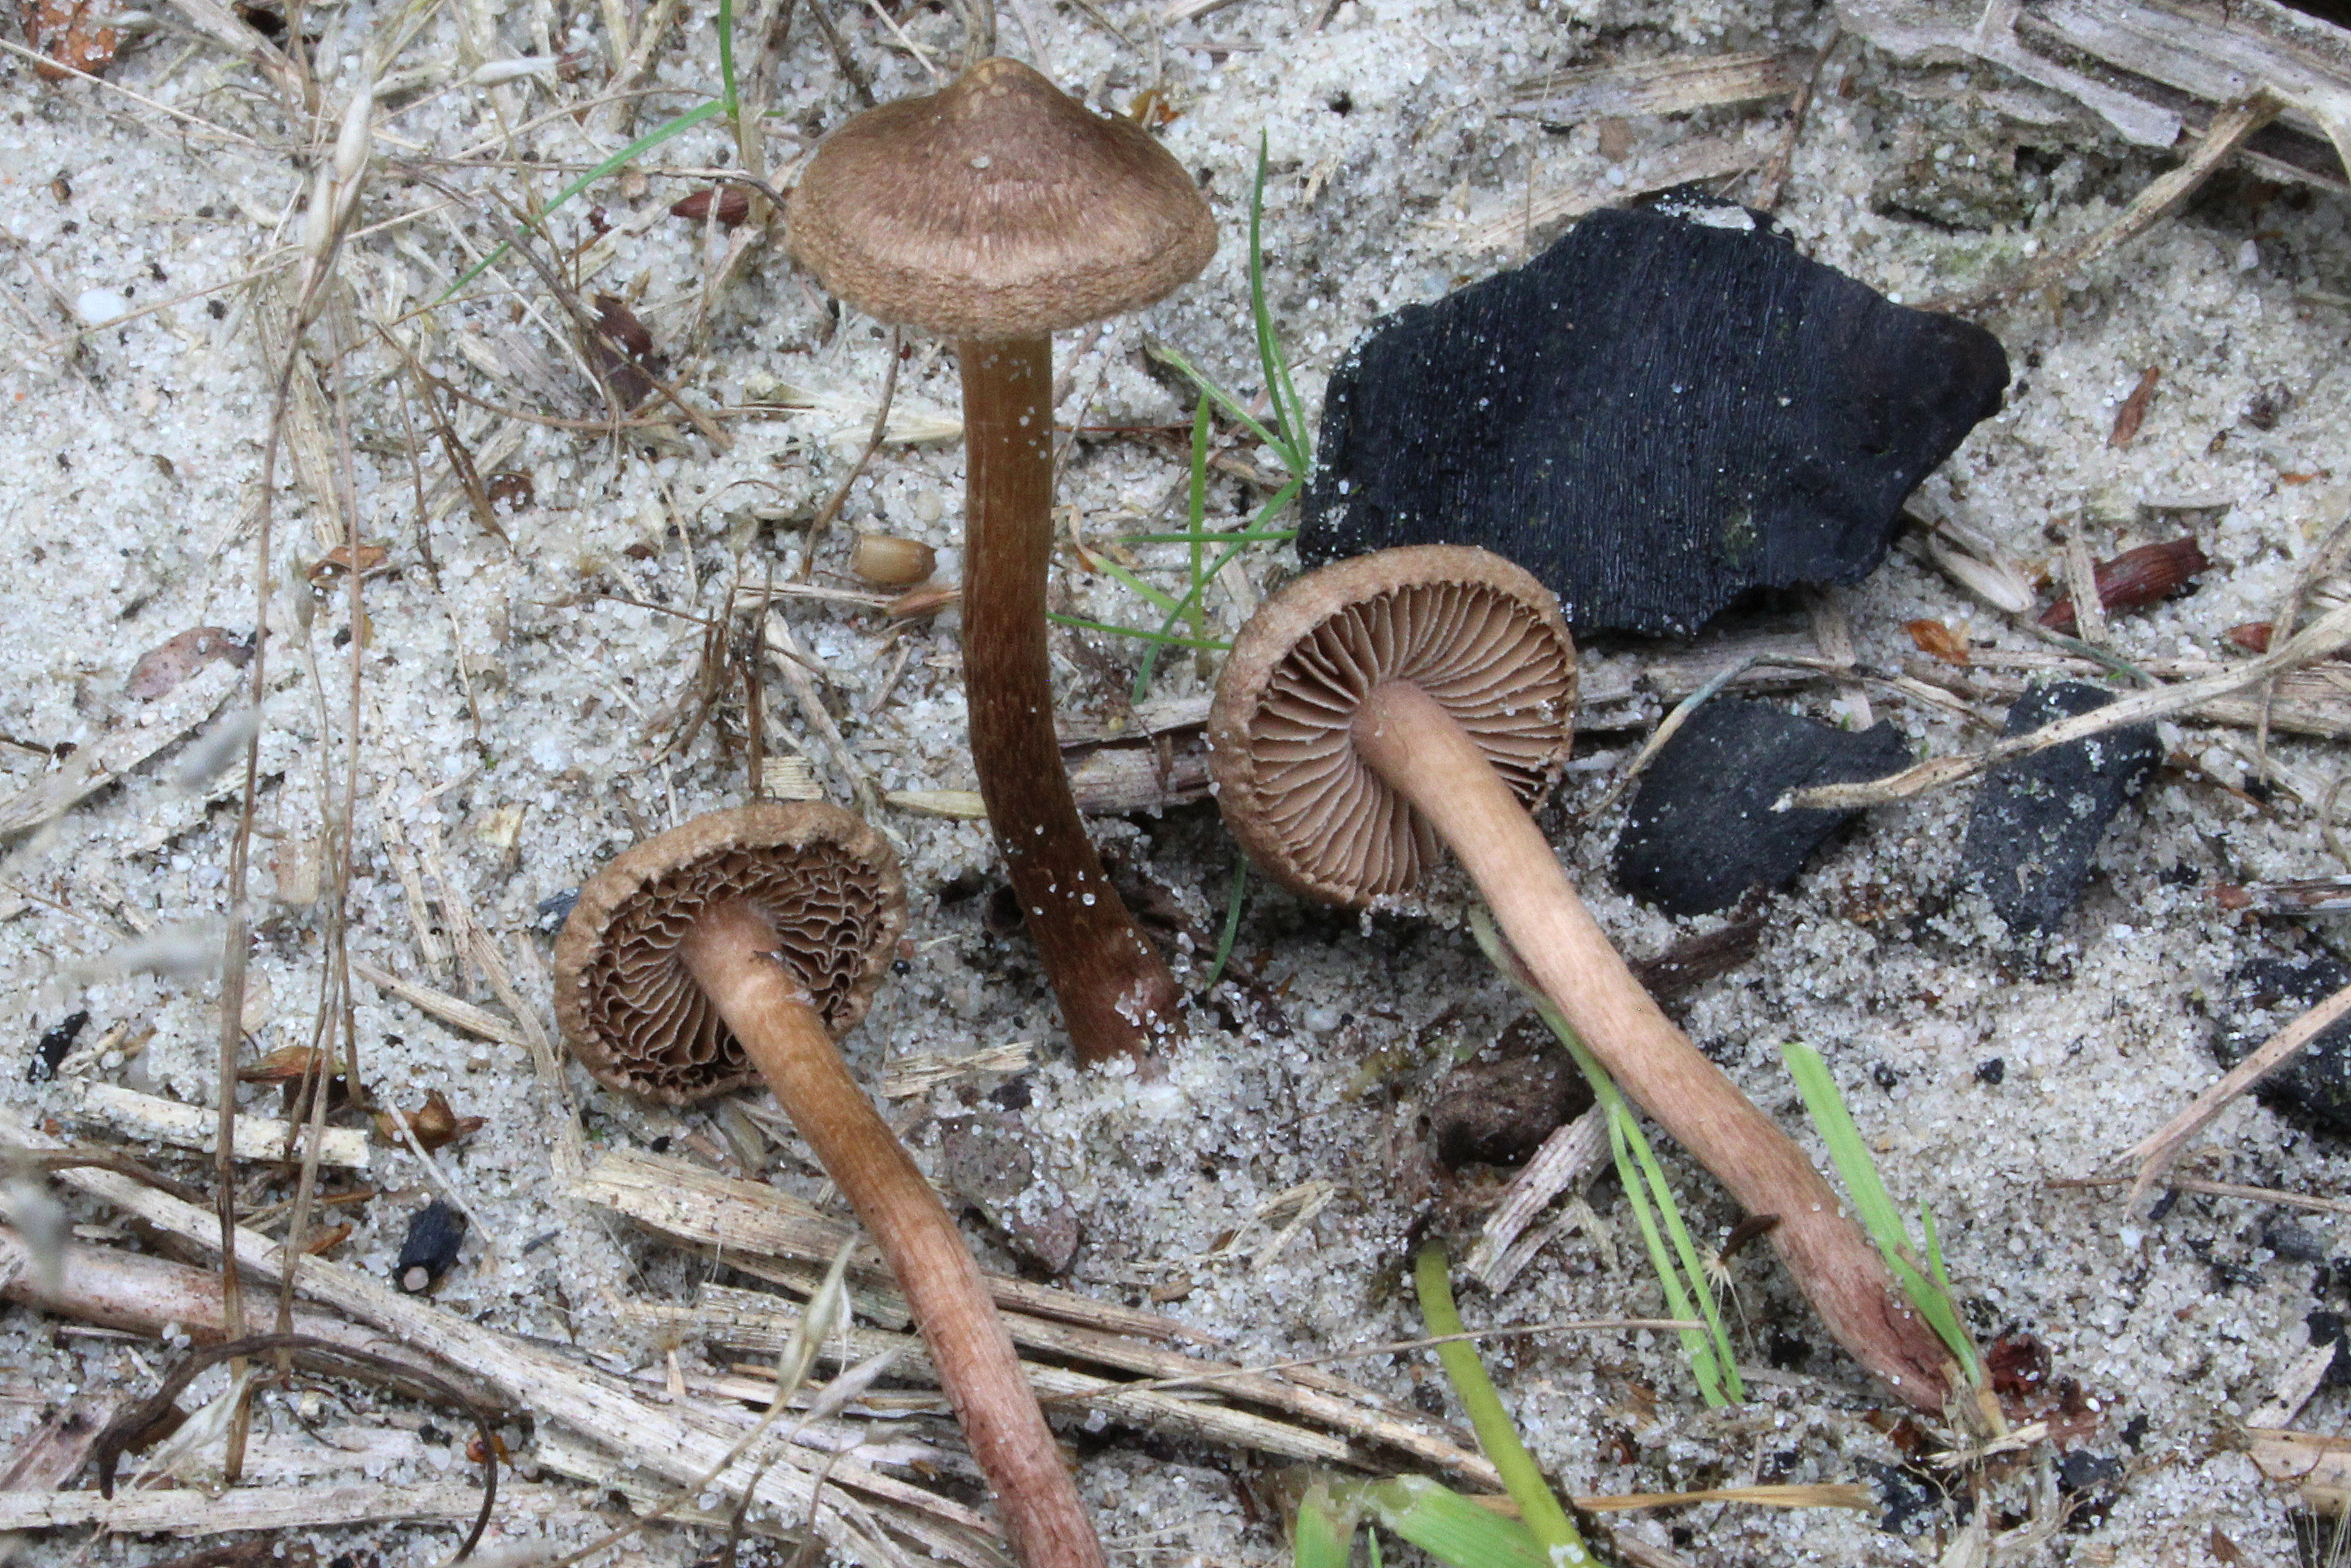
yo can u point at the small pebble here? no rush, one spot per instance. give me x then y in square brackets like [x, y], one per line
[97, 306]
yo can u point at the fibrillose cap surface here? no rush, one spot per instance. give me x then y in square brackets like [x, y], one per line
[998, 207]
[1479, 635]
[633, 1013]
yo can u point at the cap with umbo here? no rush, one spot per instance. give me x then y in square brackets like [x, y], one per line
[1392, 702]
[999, 211]
[734, 948]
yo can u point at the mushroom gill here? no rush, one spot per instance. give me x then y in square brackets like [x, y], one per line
[1491, 663]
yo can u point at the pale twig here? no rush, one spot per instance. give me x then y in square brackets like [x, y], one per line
[2328, 634]
[2224, 1189]
[677, 1444]
[2230, 129]
[2154, 1154]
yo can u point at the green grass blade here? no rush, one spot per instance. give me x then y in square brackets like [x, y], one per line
[1174, 358]
[1214, 536]
[629, 154]
[1554, 1533]
[727, 57]
[1875, 1207]
[1288, 416]
[1320, 1539]
[1450, 1527]
[1196, 514]
[1167, 639]
[1680, 1274]
[1871, 1203]
[1163, 601]
[1232, 925]
[1192, 595]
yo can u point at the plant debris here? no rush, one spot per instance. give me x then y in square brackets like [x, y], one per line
[164, 666]
[2138, 578]
[2313, 1089]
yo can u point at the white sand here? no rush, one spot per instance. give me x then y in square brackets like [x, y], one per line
[136, 458]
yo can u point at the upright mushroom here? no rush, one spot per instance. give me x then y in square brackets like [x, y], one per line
[1393, 703]
[734, 948]
[1000, 211]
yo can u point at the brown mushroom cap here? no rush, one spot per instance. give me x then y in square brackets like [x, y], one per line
[998, 207]
[824, 880]
[1479, 635]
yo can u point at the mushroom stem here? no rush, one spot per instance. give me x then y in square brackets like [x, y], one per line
[1405, 736]
[1118, 997]
[730, 950]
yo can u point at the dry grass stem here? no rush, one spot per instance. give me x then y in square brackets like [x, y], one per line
[742, 1219]
[192, 1127]
[197, 1511]
[2154, 1154]
[2323, 637]
[449, 1009]
[1570, 1156]
[672, 1442]
[1674, 85]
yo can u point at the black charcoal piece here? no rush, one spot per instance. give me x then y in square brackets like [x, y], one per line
[2089, 1484]
[1702, 831]
[434, 1234]
[1666, 409]
[1911, 1503]
[1498, 1110]
[2263, 996]
[2038, 820]
[56, 1043]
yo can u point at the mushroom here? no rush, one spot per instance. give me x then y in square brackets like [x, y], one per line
[999, 211]
[736, 947]
[1393, 703]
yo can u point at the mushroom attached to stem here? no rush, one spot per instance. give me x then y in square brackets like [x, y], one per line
[1000, 211]
[1392, 703]
[736, 948]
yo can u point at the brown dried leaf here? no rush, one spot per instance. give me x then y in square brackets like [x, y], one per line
[511, 489]
[286, 1064]
[621, 324]
[69, 32]
[1935, 638]
[922, 601]
[2254, 636]
[733, 205]
[168, 663]
[436, 1126]
[2133, 412]
[2137, 578]
[337, 560]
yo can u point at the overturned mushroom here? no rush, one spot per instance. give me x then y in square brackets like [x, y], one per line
[736, 948]
[1393, 703]
[1000, 211]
